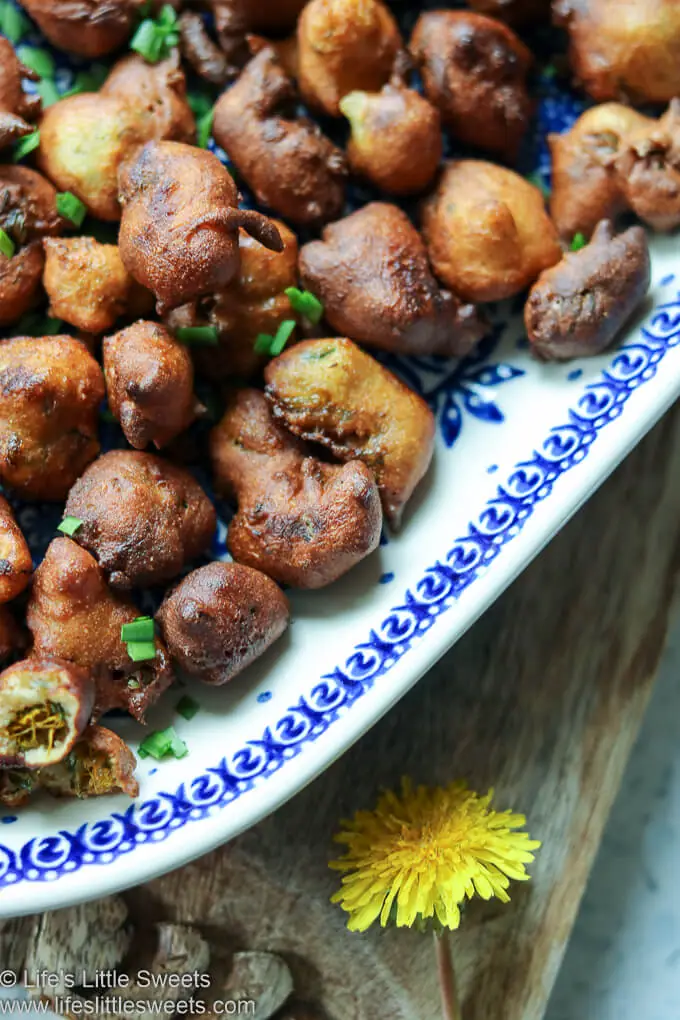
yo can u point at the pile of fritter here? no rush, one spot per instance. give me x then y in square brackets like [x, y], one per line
[135, 286]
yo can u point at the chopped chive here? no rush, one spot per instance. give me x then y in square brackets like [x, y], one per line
[198, 335]
[133, 684]
[306, 303]
[200, 103]
[40, 61]
[13, 23]
[71, 208]
[26, 145]
[163, 742]
[34, 324]
[273, 345]
[48, 92]
[140, 629]
[69, 526]
[204, 129]
[178, 748]
[88, 81]
[7, 246]
[550, 72]
[154, 39]
[141, 651]
[578, 241]
[187, 707]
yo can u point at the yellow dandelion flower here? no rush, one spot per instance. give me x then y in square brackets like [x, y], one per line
[421, 853]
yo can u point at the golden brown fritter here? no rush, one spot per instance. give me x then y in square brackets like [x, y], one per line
[388, 128]
[284, 159]
[74, 615]
[86, 138]
[487, 232]
[220, 618]
[12, 637]
[179, 228]
[50, 392]
[333, 393]
[299, 520]
[251, 304]
[88, 285]
[17, 107]
[143, 518]
[371, 272]
[200, 51]
[45, 705]
[90, 28]
[150, 384]
[28, 212]
[578, 307]
[345, 45]
[648, 165]
[475, 71]
[586, 186]
[515, 12]
[624, 50]
[158, 93]
[100, 763]
[16, 563]
[236, 19]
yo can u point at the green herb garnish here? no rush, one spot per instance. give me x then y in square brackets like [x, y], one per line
[200, 103]
[35, 324]
[88, 81]
[198, 335]
[48, 92]
[26, 145]
[161, 743]
[71, 208]
[141, 651]
[69, 526]
[273, 345]
[154, 40]
[539, 183]
[578, 241]
[187, 707]
[306, 303]
[140, 629]
[13, 23]
[204, 129]
[7, 245]
[40, 61]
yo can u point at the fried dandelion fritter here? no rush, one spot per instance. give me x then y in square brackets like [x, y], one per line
[16, 563]
[89, 28]
[17, 107]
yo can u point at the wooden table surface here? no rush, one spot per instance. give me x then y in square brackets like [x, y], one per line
[542, 699]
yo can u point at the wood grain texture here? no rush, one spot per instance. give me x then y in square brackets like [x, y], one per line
[541, 699]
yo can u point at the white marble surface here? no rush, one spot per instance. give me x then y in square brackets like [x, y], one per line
[623, 961]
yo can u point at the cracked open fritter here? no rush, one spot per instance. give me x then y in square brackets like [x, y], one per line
[150, 384]
[88, 286]
[50, 392]
[299, 520]
[254, 302]
[388, 127]
[73, 614]
[17, 107]
[284, 158]
[627, 50]
[371, 272]
[180, 224]
[28, 212]
[487, 233]
[577, 307]
[16, 564]
[344, 45]
[221, 618]
[89, 28]
[333, 393]
[143, 518]
[475, 72]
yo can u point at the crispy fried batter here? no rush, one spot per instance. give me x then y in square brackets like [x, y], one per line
[236, 19]
[158, 93]
[90, 28]
[333, 393]
[649, 168]
[16, 564]
[515, 12]
[301, 521]
[17, 107]
[50, 392]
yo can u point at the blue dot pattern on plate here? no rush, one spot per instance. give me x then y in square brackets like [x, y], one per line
[264, 696]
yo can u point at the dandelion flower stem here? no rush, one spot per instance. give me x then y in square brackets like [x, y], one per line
[447, 976]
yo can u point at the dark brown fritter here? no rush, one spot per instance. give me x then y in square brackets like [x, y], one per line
[345, 45]
[331, 392]
[90, 28]
[586, 186]
[28, 212]
[158, 93]
[74, 615]
[17, 107]
[100, 763]
[475, 71]
[299, 520]
[286, 160]
[388, 128]
[371, 272]
[487, 233]
[16, 564]
[179, 228]
[199, 50]
[220, 618]
[45, 705]
[578, 307]
[253, 303]
[649, 168]
[150, 384]
[235, 20]
[88, 285]
[515, 12]
[13, 639]
[50, 392]
[143, 518]
[631, 53]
